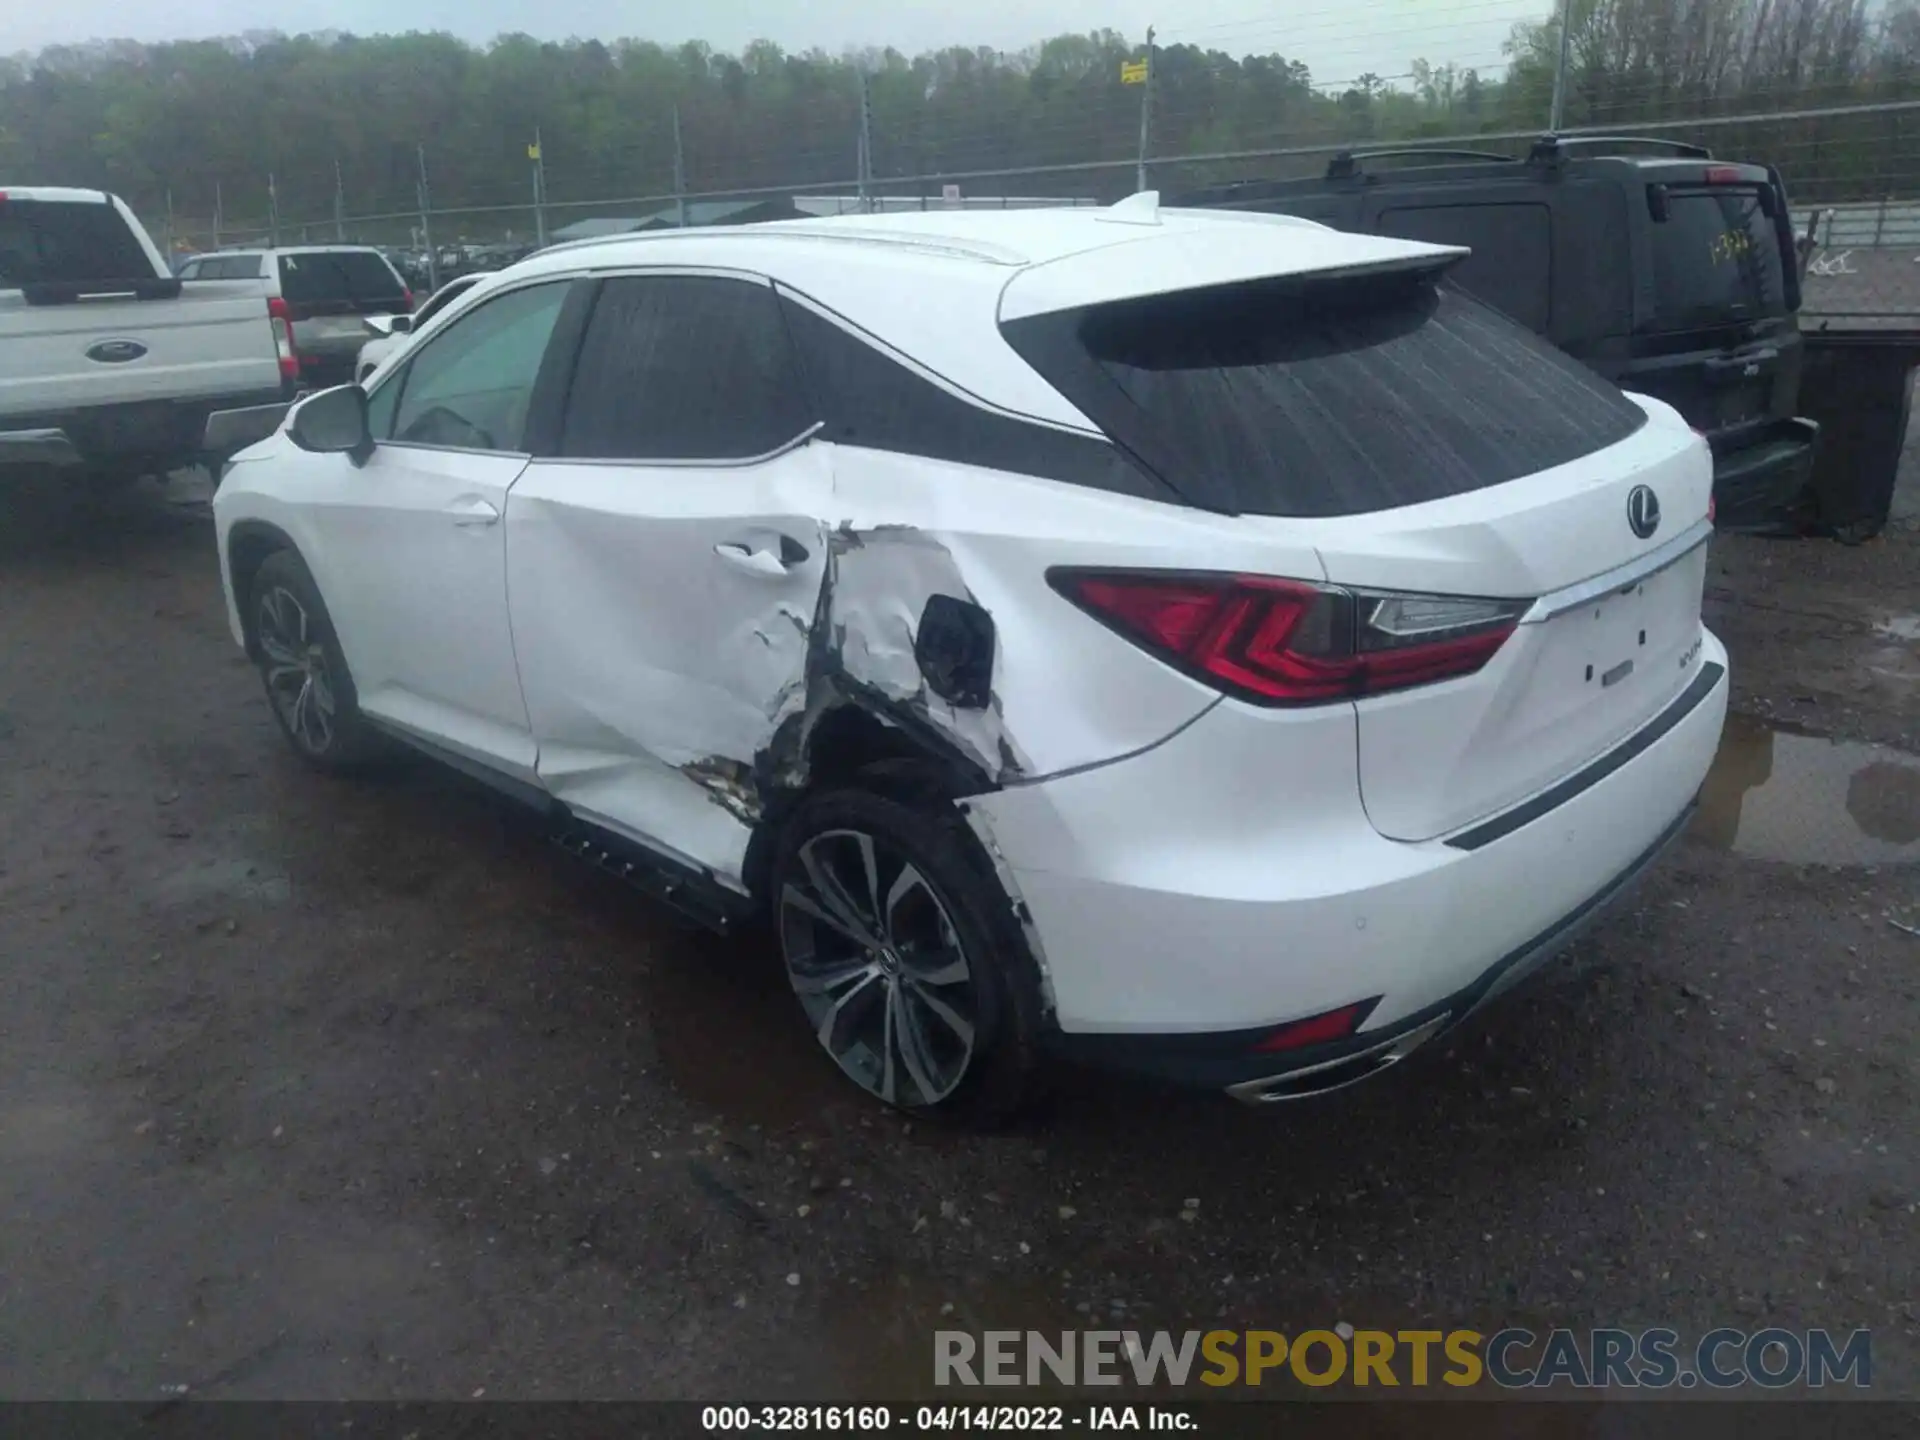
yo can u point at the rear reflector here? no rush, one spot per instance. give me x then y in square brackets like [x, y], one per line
[1287, 642]
[1317, 1029]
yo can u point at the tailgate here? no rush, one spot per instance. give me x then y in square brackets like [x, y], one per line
[210, 342]
[1583, 670]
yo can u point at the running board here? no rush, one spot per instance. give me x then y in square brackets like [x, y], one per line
[695, 896]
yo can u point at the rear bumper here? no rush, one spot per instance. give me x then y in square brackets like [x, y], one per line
[1192, 899]
[159, 433]
[1765, 486]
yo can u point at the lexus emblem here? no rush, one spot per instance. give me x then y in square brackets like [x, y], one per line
[1643, 511]
[116, 352]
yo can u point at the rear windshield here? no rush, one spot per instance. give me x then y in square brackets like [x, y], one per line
[67, 242]
[1325, 397]
[1716, 259]
[355, 276]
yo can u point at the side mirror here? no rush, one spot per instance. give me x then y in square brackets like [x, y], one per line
[333, 422]
[400, 324]
[381, 325]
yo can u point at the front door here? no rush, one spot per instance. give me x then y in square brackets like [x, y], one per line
[418, 543]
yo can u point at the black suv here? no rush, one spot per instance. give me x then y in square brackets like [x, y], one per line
[1669, 273]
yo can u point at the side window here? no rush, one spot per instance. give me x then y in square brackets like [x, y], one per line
[243, 267]
[191, 270]
[1511, 267]
[869, 399]
[470, 386]
[683, 367]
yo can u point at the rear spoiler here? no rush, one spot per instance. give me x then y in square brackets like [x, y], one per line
[70, 292]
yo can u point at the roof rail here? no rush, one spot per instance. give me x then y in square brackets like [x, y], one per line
[1347, 163]
[1552, 147]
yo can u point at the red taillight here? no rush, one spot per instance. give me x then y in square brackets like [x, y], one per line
[406, 301]
[282, 320]
[1724, 175]
[1317, 1029]
[1286, 642]
[1709, 509]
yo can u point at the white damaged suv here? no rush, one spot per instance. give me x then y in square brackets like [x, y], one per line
[1202, 643]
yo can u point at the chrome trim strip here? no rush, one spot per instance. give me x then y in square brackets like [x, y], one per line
[1585, 592]
[644, 463]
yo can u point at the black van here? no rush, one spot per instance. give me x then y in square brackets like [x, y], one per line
[1670, 273]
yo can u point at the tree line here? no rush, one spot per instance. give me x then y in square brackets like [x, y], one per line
[339, 119]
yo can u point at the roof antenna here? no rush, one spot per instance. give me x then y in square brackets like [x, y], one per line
[1140, 209]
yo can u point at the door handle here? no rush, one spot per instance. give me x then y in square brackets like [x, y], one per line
[473, 511]
[763, 563]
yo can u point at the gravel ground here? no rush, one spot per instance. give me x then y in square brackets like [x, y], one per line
[314, 1089]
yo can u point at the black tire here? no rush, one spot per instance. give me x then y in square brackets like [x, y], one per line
[309, 688]
[954, 903]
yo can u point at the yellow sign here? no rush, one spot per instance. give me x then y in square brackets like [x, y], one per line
[533, 151]
[1133, 72]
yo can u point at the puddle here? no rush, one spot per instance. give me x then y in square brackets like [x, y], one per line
[1900, 627]
[1773, 795]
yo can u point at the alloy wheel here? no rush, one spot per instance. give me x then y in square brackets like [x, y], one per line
[879, 968]
[299, 681]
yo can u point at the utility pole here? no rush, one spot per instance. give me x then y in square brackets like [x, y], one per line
[171, 258]
[1146, 116]
[339, 206]
[1560, 68]
[273, 212]
[679, 172]
[538, 156]
[426, 226]
[866, 143]
[216, 214]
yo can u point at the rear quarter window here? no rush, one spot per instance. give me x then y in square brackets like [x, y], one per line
[1511, 267]
[1325, 396]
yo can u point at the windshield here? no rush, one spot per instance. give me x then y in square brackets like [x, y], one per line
[1325, 396]
[355, 276]
[67, 242]
[1716, 259]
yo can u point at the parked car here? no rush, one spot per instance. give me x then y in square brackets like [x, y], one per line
[320, 296]
[1665, 270]
[1194, 642]
[392, 332]
[109, 367]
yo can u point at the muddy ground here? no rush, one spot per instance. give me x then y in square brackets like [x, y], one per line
[312, 1089]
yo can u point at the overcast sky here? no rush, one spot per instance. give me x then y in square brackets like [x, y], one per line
[1339, 41]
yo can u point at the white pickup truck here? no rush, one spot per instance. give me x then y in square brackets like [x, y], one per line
[109, 366]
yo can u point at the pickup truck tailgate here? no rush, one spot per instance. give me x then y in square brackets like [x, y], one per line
[212, 340]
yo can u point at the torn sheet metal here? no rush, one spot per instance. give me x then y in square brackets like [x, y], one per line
[878, 584]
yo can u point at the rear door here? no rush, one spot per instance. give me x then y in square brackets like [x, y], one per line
[1431, 452]
[665, 562]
